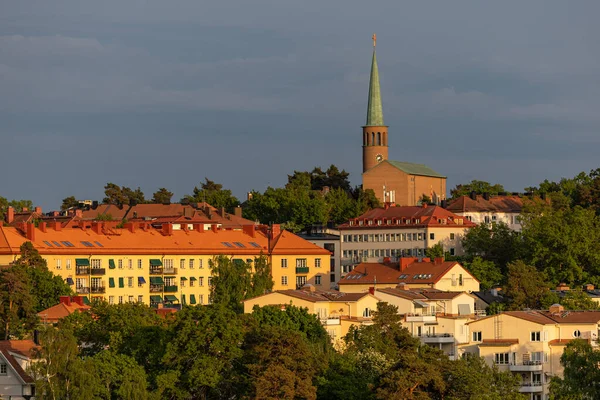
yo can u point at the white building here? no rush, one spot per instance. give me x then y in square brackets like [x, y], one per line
[15, 358]
[486, 209]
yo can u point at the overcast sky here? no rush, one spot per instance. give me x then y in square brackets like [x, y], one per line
[164, 93]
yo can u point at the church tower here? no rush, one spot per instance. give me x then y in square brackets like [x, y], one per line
[375, 133]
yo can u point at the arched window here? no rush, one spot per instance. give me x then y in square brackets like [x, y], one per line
[365, 139]
[372, 138]
[378, 138]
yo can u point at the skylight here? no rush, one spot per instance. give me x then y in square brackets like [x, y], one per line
[99, 244]
[227, 244]
[238, 244]
[47, 243]
[254, 244]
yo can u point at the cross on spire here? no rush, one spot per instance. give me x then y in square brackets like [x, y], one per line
[374, 40]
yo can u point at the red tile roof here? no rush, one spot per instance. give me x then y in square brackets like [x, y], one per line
[60, 311]
[420, 294]
[506, 204]
[408, 216]
[320, 295]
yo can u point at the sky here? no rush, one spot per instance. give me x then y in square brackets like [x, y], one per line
[165, 93]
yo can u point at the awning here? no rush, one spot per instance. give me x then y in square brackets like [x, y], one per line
[141, 280]
[82, 262]
[420, 304]
[170, 277]
[111, 282]
[156, 280]
[192, 299]
[170, 298]
[70, 281]
[464, 309]
[193, 278]
[156, 299]
[155, 262]
[183, 278]
[111, 264]
[183, 299]
[86, 301]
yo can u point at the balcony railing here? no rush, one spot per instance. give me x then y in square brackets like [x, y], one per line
[171, 270]
[156, 288]
[302, 270]
[170, 289]
[82, 290]
[98, 289]
[82, 271]
[98, 271]
[156, 270]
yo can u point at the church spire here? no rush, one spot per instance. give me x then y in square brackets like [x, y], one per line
[374, 109]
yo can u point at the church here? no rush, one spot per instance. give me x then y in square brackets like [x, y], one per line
[398, 182]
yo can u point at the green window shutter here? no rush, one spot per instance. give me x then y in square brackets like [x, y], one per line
[111, 282]
[192, 299]
[111, 264]
[121, 282]
[183, 299]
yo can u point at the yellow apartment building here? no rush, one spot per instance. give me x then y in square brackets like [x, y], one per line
[530, 343]
[139, 262]
[337, 311]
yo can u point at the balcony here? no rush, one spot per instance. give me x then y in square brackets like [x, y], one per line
[526, 366]
[156, 288]
[302, 270]
[98, 290]
[437, 338]
[82, 290]
[156, 270]
[330, 321]
[170, 289]
[531, 387]
[420, 318]
[82, 271]
[98, 271]
[171, 270]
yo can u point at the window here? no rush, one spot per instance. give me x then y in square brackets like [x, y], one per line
[111, 299]
[576, 333]
[432, 236]
[58, 263]
[121, 282]
[367, 312]
[536, 336]
[193, 282]
[452, 236]
[209, 280]
[120, 264]
[537, 357]
[130, 282]
[452, 251]
[477, 336]
[284, 263]
[139, 264]
[169, 263]
[140, 298]
[201, 298]
[120, 299]
[501, 358]
[300, 262]
[131, 299]
[130, 263]
[318, 280]
[493, 217]
[3, 369]
[191, 263]
[201, 283]
[96, 263]
[460, 280]
[317, 263]
[284, 280]
[200, 265]
[419, 236]
[68, 263]
[182, 263]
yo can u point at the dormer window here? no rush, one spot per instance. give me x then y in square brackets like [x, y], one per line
[351, 222]
[378, 222]
[370, 222]
[360, 222]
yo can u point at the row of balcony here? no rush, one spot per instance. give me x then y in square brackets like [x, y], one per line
[158, 270]
[102, 289]
[102, 271]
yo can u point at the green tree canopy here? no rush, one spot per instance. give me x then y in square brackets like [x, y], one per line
[162, 196]
[213, 194]
[528, 288]
[581, 373]
[69, 202]
[479, 187]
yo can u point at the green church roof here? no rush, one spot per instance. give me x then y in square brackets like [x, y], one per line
[374, 109]
[415, 169]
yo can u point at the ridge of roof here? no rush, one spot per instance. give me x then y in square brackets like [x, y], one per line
[415, 169]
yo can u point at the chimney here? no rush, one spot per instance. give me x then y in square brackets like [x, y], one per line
[79, 213]
[372, 290]
[556, 309]
[275, 230]
[57, 226]
[184, 227]
[10, 215]
[66, 300]
[24, 209]
[426, 259]
[77, 300]
[424, 205]
[31, 232]
[167, 229]
[188, 211]
[38, 210]
[562, 287]
[249, 230]
[406, 261]
[42, 226]
[238, 211]
[222, 212]
[486, 196]
[444, 203]
[82, 225]
[130, 226]
[199, 227]
[438, 260]
[473, 195]
[97, 227]
[213, 227]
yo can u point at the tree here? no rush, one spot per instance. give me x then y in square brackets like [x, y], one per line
[133, 196]
[340, 206]
[18, 205]
[113, 194]
[69, 202]
[581, 373]
[424, 199]
[118, 375]
[213, 194]
[435, 251]
[162, 196]
[261, 281]
[527, 288]
[230, 282]
[45, 288]
[578, 300]
[479, 187]
[200, 355]
[487, 273]
[497, 243]
[16, 304]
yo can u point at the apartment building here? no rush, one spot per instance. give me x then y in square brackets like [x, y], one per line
[486, 209]
[329, 239]
[392, 232]
[530, 343]
[337, 311]
[410, 273]
[157, 264]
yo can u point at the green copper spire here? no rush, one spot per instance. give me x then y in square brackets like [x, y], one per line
[374, 110]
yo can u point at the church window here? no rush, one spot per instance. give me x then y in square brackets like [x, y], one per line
[378, 138]
[372, 138]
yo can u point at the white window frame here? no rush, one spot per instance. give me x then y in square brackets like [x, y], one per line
[284, 280]
[284, 263]
[317, 263]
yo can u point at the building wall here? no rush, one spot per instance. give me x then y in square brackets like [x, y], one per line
[317, 275]
[276, 298]
[480, 217]
[393, 179]
[449, 237]
[10, 383]
[432, 187]
[457, 279]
